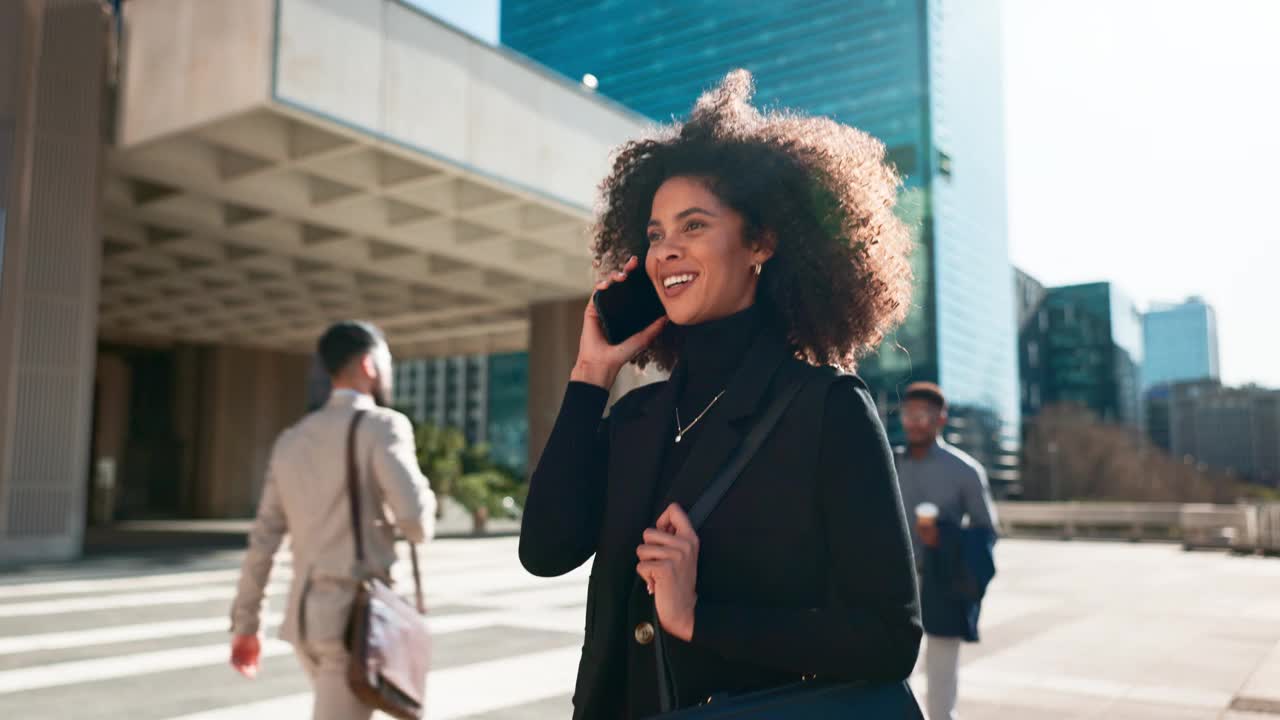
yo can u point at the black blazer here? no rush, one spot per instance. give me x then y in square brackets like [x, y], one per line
[804, 568]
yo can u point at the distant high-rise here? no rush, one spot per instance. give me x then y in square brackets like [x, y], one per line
[1033, 329]
[1088, 339]
[926, 81]
[484, 396]
[1181, 342]
[446, 391]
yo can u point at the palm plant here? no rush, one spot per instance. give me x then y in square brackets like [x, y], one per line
[466, 472]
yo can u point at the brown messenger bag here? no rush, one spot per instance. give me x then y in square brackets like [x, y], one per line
[387, 639]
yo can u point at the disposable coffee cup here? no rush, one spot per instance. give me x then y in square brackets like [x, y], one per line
[926, 514]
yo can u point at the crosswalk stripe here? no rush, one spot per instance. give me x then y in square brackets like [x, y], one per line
[569, 621]
[131, 600]
[439, 591]
[106, 585]
[81, 671]
[499, 573]
[536, 597]
[121, 634]
[108, 668]
[453, 693]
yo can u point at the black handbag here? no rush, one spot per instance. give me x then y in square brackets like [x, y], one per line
[808, 699]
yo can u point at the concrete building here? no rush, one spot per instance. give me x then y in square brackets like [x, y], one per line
[1225, 428]
[1181, 343]
[925, 77]
[191, 192]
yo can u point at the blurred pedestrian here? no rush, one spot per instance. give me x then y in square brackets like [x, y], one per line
[946, 492]
[305, 495]
[773, 246]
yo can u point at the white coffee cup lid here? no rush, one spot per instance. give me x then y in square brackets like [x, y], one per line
[927, 510]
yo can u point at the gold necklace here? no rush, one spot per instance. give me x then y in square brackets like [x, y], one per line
[680, 431]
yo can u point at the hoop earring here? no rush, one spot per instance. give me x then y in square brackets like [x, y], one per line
[758, 268]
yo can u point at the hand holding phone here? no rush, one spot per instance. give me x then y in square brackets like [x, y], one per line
[627, 305]
[604, 347]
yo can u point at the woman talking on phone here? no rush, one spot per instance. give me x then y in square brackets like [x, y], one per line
[773, 247]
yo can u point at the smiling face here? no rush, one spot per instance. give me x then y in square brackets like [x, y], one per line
[698, 258]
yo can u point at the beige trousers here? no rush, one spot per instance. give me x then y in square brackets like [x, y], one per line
[942, 668]
[327, 668]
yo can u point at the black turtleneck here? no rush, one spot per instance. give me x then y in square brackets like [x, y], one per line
[709, 354]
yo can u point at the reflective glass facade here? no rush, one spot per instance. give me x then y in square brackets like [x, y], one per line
[891, 68]
[447, 391]
[862, 63]
[1093, 351]
[1181, 343]
[509, 409]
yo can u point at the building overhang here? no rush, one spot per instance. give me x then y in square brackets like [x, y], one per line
[283, 164]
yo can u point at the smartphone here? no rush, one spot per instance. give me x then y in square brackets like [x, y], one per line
[628, 307]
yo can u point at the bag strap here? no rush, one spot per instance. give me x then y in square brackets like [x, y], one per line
[353, 485]
[702, 507]
[353, 497]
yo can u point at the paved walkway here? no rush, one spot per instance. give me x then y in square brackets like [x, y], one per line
[1071, 630]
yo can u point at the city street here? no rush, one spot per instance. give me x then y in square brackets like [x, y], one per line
[1071, 630]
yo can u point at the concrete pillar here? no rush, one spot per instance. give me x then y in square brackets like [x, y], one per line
[245, 398]
[113, 382]
[52, 71]
[554, 330]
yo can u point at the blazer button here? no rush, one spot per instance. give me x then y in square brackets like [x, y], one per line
[644, 633]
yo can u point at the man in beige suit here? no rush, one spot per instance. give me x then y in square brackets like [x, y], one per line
[305, 496]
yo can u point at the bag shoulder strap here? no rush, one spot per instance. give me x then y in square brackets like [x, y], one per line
[353, 484]
[353, 498]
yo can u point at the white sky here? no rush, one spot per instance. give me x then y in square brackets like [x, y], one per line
[1143, 147]
[478, 17]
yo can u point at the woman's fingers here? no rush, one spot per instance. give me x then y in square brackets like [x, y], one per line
[619, 275]
[653, 536]
[658, 552]
[675, 521]
[654, 572]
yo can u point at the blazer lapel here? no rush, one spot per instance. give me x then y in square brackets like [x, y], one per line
[725, 426]
[639, 443]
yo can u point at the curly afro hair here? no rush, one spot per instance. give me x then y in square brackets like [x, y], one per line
[819, 192]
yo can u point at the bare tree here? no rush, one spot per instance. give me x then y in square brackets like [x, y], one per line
[1069, 454]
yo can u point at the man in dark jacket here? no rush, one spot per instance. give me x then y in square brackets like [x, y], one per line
[946, 491]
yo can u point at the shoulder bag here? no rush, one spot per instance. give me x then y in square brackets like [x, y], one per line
[386, 638]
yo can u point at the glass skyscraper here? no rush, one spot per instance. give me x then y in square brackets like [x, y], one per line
[1092, 351]
[1181, 343]
[926, 82]
[508, 421]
